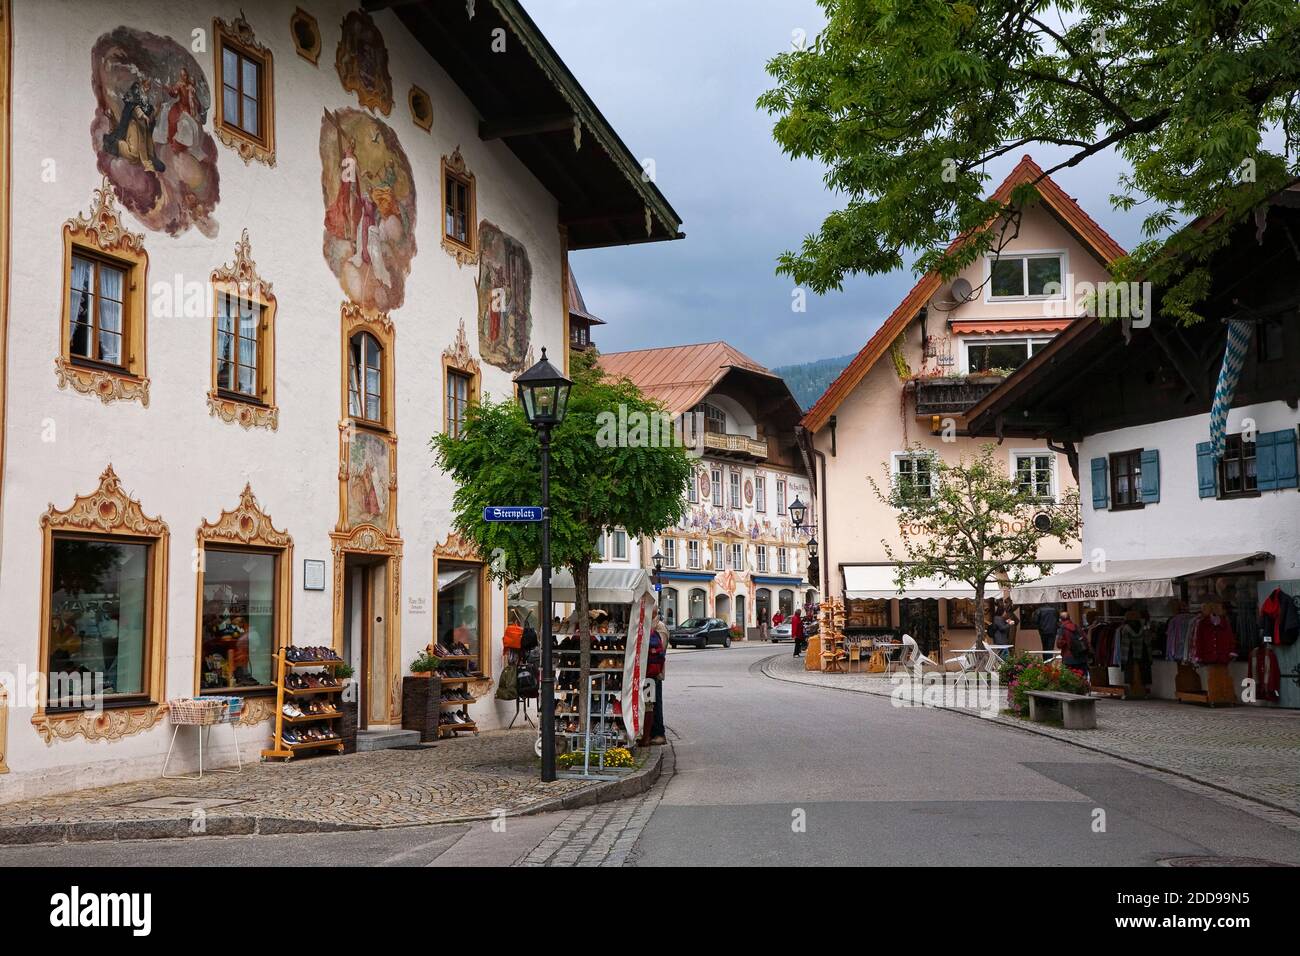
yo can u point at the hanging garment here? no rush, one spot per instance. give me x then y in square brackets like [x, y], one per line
[1280, 617]
[1215, 643]
[1264, 671]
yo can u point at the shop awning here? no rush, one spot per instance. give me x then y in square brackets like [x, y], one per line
[604, 586]
[877, 581]
[1121, 580]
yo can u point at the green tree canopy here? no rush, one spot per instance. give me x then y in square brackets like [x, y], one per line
[905, 101]
[971, 522]
[595, 482]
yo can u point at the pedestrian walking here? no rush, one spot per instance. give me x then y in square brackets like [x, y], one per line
[656, 661]
[796, 632]
[1047, 619]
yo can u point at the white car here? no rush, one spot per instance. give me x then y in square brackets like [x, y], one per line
[781, 632]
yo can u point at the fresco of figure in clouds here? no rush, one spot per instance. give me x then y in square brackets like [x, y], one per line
[151, 106]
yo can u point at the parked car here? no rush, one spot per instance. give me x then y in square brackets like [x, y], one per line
[700, 632]
[781, 632]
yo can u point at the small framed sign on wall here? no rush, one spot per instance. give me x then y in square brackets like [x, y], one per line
[313, 575]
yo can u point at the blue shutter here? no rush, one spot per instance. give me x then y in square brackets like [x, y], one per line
[1275, 460]
[1150, 476]
[1206, 470]
[1100, 484]
[1265, 463]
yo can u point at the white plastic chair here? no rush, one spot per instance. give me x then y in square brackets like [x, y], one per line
[911, 656]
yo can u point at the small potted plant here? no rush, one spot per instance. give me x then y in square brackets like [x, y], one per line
[421, 696]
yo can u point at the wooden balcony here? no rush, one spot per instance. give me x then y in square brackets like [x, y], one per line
[739, 445]
[952, 396]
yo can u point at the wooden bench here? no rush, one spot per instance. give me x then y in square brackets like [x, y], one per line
[1077, 712]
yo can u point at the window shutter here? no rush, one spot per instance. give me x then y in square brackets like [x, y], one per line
[1206, 470]
[1150, 475]
[1275, 458]
[1100, 484]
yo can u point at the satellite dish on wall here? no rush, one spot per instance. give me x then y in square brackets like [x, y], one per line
[955, 294]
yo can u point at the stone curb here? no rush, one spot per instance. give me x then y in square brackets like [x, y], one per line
[763, 667]
[94, 831]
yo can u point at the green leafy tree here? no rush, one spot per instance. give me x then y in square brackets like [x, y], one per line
[905, 101]
[598, 479]
[971, 522]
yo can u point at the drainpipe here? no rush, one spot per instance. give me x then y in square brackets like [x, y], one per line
[823, 557]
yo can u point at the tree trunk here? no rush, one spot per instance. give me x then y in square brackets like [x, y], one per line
[980, 631]
[581, 575]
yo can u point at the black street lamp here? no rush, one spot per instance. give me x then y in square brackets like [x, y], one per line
[798, 512]
[544, 394]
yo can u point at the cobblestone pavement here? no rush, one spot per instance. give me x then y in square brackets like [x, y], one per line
[1251, 752]
[603, 835]
[468, 778]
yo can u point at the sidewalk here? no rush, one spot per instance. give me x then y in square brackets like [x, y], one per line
[1252, 752]
[470, 778]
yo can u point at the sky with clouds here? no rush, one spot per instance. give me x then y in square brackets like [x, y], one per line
[678, 79]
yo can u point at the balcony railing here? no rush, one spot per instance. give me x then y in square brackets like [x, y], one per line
[951, 396]
[735, 444]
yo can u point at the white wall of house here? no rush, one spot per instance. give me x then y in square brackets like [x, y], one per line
[182, 464]
[1182, 523]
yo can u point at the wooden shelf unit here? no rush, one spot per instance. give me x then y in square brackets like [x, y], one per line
[280, 749]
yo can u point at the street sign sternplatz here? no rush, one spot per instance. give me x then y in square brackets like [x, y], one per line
[512, 513]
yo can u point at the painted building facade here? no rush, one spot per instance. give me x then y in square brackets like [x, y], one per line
[736, 555]
[906, 394]
[252, 266]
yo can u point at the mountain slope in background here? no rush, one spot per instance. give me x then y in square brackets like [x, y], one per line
[809, 379]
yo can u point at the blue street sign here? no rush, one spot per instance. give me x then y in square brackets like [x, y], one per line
[658, 588]
[512, 513]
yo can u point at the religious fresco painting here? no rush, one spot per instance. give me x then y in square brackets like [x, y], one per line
[368, 475]
[505, 283]
[369, 208]
[362, 62]
[152, 102]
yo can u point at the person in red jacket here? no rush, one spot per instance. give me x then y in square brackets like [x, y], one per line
[796, 632]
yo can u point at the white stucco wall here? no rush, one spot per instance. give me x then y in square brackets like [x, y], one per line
[1182, 523]
[180, 463]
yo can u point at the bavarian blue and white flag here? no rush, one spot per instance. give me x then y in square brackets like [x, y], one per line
[1234, 357]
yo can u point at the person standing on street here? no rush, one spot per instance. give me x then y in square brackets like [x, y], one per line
[1046, 620]
[655, 665]
[1073, 645]
[796, 632]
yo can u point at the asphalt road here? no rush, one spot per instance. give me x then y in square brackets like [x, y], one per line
[769, 772]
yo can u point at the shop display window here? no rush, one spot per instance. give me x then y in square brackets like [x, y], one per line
[458, 606]
[238, 639]
[99, 597]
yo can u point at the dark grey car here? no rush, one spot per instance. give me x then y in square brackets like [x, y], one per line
[700, 632]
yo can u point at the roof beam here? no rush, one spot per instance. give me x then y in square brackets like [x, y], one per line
[513, 126]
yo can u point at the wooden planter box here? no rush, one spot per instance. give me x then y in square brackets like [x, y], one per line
[348, 725]
[421, 697]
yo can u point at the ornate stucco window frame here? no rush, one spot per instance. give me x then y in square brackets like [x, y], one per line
[457, 358]
[462, 551]
[421, 106]
[357, 319]
[107, 512]
[100, 235]
[453, 167]
[240, 279]
[301, 22]
[246, 527]
[238, 35]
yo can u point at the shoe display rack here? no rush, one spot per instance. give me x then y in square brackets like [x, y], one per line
[455, 671]
[605, 709]
[308, 706]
